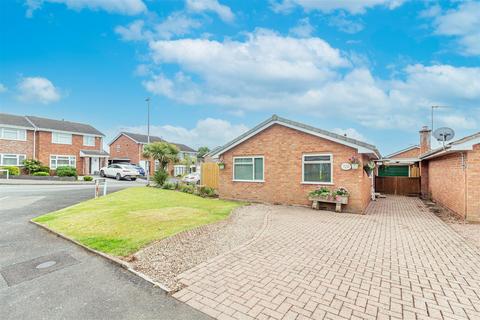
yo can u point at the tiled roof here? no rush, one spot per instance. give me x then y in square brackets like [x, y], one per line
[14, 120]
[450, 145]
[143, 139]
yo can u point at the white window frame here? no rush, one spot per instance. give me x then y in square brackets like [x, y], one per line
[317, 162]
[253, 168]
[85, 140]
[61, 133]
[18, 155]
[63, 155]
[18, 130]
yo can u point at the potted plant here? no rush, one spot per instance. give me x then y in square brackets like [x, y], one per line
[341, 195]
[322, 193]
[354, 162]
[369, 167]
[221, 165]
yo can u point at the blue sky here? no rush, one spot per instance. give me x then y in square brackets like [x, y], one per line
[214, 68]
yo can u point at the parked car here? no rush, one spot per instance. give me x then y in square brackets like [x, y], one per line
[193, 178]
[120, 171]
[140, 170]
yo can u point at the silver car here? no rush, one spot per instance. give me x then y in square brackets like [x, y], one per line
[120, 171]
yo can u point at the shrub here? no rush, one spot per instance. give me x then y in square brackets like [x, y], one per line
[44, 169]
[187, 188]
[160, 177]
[41, 174]
[205, 191]
[87, 178]
[169, 186]
[66, 172]
[31, 165]
[323, 192]
[13, 171]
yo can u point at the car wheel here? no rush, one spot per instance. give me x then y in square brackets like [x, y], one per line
[133, 179]
[118, 177]
[102, 174]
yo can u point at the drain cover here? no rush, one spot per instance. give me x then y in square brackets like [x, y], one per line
[46, 264]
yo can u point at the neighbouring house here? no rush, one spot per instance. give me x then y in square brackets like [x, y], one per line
[403, 163]
[451, 176]
[281, 161]
[53, 142]
[128, 147]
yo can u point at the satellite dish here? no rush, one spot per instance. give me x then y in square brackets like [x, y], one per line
[444, 134]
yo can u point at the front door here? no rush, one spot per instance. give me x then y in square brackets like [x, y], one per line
[94, 165]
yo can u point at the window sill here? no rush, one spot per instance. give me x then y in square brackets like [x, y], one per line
[254, 181]
[318, 183]
[13, 139]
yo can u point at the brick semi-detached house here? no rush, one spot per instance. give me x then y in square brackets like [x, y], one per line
[281, 161]
[128, 147]
[53, 142]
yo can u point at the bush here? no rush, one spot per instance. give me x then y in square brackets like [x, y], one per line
[187, 188]
[169, 186]
[205, 191]
[87, 178]
[41, 174]
[44, 169]
[31, 165]
[66, 172]
[13, 171]
[160, 177]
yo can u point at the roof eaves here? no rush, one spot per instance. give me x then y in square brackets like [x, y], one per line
[402, 151]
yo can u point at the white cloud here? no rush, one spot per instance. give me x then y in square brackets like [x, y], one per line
[457, 121]
[224, 12]
[2, 88]
[350, 133]
[303, 29]
[127, 7]
[176, 24]
[37, 89]
[328, 6]
[347, 25]
[269, 72]
[463, 23]
[207, 132]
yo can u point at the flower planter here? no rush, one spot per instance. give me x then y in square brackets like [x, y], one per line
[221, 165]
[337, 200]
[355, 166]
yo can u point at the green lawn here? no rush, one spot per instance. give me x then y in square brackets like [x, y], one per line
[123, 222]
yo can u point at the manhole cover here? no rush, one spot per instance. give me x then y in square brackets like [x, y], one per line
[46, 264]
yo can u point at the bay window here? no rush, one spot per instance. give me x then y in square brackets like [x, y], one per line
[317, 169]
[248, 169]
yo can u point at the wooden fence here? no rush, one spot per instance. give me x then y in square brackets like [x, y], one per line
[397, 185]
[209, 174]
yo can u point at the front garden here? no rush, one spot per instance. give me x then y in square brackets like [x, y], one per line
[125, 221]
[34, 169]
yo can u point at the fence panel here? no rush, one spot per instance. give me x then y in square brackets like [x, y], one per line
[210, 174]
[397, 185]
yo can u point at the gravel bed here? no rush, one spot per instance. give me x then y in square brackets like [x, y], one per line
[469, 231]
[165, 259]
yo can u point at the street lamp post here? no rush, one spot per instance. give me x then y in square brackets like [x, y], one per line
[148, 138]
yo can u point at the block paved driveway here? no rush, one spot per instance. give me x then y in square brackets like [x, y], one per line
[397, 262]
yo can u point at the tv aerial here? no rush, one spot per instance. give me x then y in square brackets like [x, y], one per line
[443, 135]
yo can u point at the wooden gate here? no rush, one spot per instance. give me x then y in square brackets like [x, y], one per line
[209, 174]
[403, 186]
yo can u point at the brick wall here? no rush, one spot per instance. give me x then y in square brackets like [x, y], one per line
[473, 184]
[45, 148]
[282, 148]
[446, 182]
[414, 153]
[125, 147]
[18, 147]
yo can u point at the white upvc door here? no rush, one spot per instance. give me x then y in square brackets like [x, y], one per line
[95, 165]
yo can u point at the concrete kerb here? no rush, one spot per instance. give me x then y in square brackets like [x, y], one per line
[107, 257]
[43, 183]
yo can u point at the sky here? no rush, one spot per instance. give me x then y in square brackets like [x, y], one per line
[370, 69]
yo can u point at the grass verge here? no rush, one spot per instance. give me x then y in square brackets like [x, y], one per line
[123, 222]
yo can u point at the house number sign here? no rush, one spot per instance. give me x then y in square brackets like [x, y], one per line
[346, 166]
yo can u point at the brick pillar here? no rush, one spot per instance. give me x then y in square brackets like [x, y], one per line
[425, 194]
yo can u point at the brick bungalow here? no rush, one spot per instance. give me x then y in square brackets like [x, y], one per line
[128, 147]
[281, 161]
[451, 176]
[54, 142]
[403, 163]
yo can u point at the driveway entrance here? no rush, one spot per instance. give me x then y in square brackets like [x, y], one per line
[397, 262]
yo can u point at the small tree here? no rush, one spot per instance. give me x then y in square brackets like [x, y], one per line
[202, 151]
[164, 152]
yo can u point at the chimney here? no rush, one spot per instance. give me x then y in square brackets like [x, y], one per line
[425, 139]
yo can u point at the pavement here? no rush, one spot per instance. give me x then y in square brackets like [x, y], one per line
[45, 277]
[399, 261]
